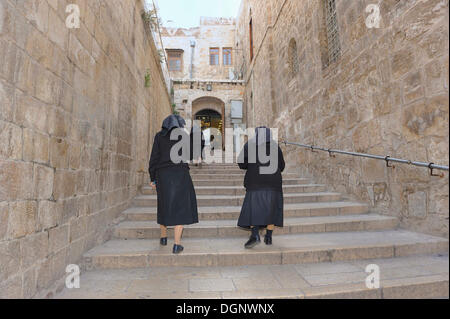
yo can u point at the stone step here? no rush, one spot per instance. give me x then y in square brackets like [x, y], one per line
[424, 277]
[286, 249]
[224, 200]
[240, 182]
[235, 176]
[215, 166]
[228, 228]
[232, 212]
[240, 190]
[195, 171]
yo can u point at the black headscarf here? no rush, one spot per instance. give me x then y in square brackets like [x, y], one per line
[171, 122]
[260, 137]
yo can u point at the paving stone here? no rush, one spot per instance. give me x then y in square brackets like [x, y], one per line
[211, 285]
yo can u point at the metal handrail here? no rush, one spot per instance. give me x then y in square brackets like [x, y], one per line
[387, 158]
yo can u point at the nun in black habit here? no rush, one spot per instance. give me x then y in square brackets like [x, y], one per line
[263, 203]
[177, 203]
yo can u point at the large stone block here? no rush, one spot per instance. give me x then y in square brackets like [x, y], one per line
[402, 62]
[426, 117]
[7, 59]
[58, 238]
[4, 213]
[417, 204]
[43, 181]
[9, 259]
[49, 214]
[36, 12]
[13, 177]
[6, 19]
[58, 122]
[10, 141]
[22, 219]
[48, 87]
[29, 283]
[12, 288]
[64, 184]
[57, 30]
[7, 101]
[34, 248]
[59, 156]
[31, 113]
[35, 146]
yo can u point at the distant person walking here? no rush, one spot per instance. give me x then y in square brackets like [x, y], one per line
[177, 203]
[263, 203]
[197, 152]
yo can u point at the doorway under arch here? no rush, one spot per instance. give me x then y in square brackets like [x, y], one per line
[210, 111]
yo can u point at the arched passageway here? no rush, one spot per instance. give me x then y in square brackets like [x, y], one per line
[210, 111]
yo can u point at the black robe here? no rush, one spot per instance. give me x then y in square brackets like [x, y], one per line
[263, 203]
[177, 202]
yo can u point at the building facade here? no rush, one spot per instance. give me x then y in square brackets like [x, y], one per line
[205, 84]
[342, 74]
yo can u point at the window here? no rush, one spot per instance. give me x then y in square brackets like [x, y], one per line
[331, 28]
[175, 60]
[251, 39]
[293, 58]
[227, 57]
[214, 56]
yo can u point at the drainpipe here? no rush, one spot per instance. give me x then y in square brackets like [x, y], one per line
[191, 69]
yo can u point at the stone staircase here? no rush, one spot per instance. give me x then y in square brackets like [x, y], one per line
[321, 252]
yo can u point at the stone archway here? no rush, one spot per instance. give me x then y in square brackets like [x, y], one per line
[213, 105]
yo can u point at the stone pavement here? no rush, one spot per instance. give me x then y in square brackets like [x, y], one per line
[403, 277]
[322, 252]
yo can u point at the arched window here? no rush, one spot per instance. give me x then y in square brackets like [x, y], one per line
[293, 58]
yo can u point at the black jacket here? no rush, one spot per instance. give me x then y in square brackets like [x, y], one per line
[160, 157]
[254, 180]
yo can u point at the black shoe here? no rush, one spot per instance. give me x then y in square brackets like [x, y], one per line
[163, 241]
[177, 249]
[252, 242]
[268, 240]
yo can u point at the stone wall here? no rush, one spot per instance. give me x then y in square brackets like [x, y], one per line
[211, 33]
[185, 96]
[76, 128]
[387, 94]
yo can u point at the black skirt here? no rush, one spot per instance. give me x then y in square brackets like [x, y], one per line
[177, 203]
[261, 208]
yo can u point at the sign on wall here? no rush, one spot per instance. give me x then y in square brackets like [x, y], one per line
[236, 109]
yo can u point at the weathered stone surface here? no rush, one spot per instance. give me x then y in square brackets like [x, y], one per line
[13, 175]
[58, 238]
[390, 86]
[43, 181]
[22, 219]
[4, 213]
[10, 259]
[35, 146]
[63, 95]
[34, 248]
[10, 140]
[417, 204]
[6, 101]
[49, 214]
